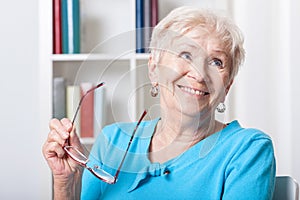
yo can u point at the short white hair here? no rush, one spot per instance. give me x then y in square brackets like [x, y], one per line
[184, 19]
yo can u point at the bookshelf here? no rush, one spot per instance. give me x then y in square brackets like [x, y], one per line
[107, 54]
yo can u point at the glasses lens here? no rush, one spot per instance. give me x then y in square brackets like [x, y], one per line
[76, 154]
[103, 175]
[96, 170]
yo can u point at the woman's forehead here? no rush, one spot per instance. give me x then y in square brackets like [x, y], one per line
[205, 43]
[206, 40]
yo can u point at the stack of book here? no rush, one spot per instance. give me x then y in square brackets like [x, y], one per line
[66, 26]
[146, 18]
[91, 117]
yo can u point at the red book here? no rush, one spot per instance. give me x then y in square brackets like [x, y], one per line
[87, 111]
[154, 12]
[57, 34]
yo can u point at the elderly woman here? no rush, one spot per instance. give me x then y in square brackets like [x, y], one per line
[186, 153]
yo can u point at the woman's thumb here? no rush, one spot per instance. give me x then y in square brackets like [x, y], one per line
[74, 139]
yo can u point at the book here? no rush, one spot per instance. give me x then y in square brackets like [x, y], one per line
[139, 25]
[87, 111]
[70, 26]
[72, 101]
[59, 101]
[154, 13]
[99, 110]
[57, 34]
[147, 25]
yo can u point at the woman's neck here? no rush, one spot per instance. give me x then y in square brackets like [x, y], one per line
[175, 134]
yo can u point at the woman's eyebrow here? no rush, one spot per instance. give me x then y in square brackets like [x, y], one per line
[220, 52]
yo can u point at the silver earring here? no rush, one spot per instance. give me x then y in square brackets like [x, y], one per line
[154, 90]
[221, 107]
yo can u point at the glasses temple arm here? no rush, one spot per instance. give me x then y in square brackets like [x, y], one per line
[130, 141]
[78, 107]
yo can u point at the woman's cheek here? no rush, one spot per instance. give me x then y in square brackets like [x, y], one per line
[171, 73]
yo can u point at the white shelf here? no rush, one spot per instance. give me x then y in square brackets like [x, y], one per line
[87, 141]
[96, 57]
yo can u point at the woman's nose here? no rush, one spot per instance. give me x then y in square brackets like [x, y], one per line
[198, 71]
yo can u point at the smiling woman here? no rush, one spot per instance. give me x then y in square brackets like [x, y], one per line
[185, 153]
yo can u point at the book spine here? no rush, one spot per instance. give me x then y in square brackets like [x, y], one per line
[139, 24]
[154, 13]
[72, 101]
[87, 111]
[147, 24]
[59, 100]
[57, 33]
[70, 26]
[99, 110]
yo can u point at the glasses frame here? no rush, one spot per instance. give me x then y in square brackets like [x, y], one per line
[84, 164]
[114, 178]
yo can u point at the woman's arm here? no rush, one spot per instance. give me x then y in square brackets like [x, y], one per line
[68, 189]
[251, 172]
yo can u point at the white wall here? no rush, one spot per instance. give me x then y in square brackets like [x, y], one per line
[295, 80]
[266, 93]
[22, 168]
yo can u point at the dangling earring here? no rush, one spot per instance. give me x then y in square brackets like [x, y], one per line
[221, 107]
[154, 90]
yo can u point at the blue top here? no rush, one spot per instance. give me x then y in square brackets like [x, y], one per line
[234, 163]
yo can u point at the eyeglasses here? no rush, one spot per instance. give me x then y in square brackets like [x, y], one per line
[81, 159]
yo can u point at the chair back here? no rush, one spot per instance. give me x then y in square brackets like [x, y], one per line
[286, 188]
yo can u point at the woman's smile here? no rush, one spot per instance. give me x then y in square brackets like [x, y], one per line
[193, 91]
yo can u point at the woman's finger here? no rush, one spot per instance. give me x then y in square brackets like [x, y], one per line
[54, 136]
[53, 149]
[59, 127]
[74, 139]
[67, 124]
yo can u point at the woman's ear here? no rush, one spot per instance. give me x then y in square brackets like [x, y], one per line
[152, 69]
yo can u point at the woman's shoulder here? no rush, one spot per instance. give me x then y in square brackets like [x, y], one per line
[235, 130]
[235, 138]
[242, 143]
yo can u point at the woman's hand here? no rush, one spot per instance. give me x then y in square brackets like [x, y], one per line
[66, 172]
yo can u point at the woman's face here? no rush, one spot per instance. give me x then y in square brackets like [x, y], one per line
[193, 74]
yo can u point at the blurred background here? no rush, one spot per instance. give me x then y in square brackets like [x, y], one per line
[266, 93]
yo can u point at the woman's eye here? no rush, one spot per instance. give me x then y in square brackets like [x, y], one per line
[186, 56]
[216, 62]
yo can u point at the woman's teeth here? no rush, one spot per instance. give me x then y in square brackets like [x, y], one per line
[193, 91]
